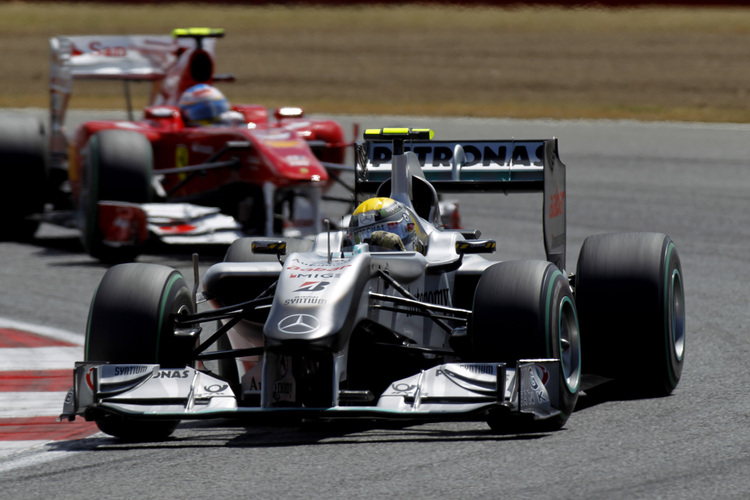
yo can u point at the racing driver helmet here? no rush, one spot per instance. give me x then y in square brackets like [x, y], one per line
[385, 225]
[202, 104]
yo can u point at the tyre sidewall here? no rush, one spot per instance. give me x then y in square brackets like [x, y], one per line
[24, 153]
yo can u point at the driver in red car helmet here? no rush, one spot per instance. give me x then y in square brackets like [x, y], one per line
[203, 105]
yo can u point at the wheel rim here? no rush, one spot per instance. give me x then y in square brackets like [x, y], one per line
[570, 345]
[678, 315]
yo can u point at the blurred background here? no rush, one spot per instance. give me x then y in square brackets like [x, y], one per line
[669, 60]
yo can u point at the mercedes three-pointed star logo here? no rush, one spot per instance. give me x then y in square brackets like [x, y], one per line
[299, 323]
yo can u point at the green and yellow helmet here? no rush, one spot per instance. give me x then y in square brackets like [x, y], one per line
[376, 221]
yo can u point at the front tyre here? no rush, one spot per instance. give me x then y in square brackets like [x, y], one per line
[132, 320]
[118, 167]
[525, 310]
[631, 302]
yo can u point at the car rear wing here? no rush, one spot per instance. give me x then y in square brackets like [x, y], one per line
[497, 166]
[114, 57]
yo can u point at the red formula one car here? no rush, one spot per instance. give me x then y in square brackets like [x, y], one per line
[193, 170]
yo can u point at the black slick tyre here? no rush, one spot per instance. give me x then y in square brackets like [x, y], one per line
[118, 167]
[23, 150]
[525, 310]
[630, 296]
[132, 320]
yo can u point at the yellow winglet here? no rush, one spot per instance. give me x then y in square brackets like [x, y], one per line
[398, 133]
[198, 32]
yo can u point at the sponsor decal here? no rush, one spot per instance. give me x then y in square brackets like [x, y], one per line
[254, 384]
[129, 370]
[178, 229]
[172, 374]
[216, 388]
[283, 390]
[439, 297]
[403, 387]
[298, 161]
[69, 397]
[284, 144]
[90, 379]
[270, 137]
[542, 373]
[318, 269]
[316, 275]
[201, 148]
[313, 286]
[299, 323]
[480, 369]
[309, 287]
[365, 218]
[284, 387]
[477, 155]
[557, 203]
[97, 49]
[305, 301]
[538, 375]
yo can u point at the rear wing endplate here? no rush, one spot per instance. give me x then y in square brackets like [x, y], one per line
[514, 166]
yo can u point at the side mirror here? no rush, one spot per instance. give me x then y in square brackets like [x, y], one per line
[475, 246]
[269, 247]
[288, 112]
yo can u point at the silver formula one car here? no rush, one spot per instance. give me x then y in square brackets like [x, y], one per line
[393, 318]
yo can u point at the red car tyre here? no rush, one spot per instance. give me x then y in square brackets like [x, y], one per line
[117, 167]
[23, 153]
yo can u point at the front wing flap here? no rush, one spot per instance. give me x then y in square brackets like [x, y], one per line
[185, 223]
[452, 391]
[127, 224]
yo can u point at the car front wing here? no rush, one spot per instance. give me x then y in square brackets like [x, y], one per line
[451, 391]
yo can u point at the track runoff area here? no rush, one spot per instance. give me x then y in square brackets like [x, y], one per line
[35, 375]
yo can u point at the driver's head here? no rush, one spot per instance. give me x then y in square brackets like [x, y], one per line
[384, 224]
[202, 104]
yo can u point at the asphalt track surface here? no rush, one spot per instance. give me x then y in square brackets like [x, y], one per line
[690, 181]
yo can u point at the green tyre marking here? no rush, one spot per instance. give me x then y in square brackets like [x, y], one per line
[575, 315]
[547, 324]
[547, 333]
[162, 307]
[668, 315]
[88, 324]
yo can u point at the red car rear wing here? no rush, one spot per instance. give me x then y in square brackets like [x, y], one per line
[127, 58]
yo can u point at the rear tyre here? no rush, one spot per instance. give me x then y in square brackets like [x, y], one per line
[525, 310]
[629, 292]
[23, 151]
[132, 320]
[118, 167]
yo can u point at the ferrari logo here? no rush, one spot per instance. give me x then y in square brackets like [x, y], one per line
[181, 158]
